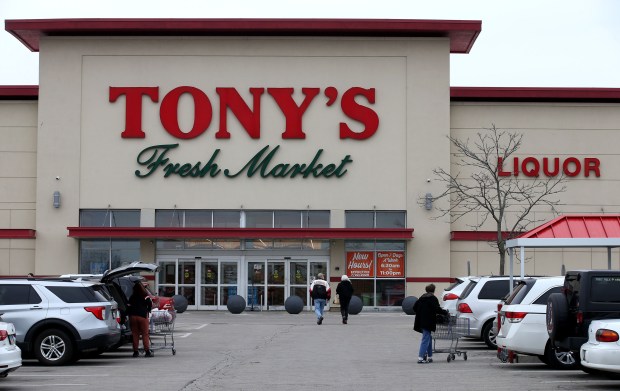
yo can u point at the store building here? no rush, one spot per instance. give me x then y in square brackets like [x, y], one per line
[246, 156]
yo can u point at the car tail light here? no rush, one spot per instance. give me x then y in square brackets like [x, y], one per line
[3, 335]
[464, 308]
[579, 317]
[605, 335]
[450, 296]
[515, 317]
[97, 311]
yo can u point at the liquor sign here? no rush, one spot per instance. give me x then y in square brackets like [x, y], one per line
[360, 264]
[390, 264]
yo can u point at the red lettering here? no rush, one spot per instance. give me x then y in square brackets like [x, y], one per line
[292, 112]
[360, 113]
[515, 166]
[531, 172]
[592, 164]
[249, 119]
[556, 165]
[566, 166]
[169, 115]
[133, 107]
[500, 167]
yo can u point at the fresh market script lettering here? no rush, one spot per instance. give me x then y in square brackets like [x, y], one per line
[263, 163]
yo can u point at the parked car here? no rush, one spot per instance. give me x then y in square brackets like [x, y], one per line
[119, 284]
[523, 327]
[10, 353]
[586, 295]
[478, 303]
[58, 321]
[601, 354]
[452, 293]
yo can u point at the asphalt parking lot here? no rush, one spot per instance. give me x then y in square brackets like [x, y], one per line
[279, 351]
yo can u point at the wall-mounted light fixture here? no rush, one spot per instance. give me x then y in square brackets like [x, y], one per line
[428, 201]
[56, 201]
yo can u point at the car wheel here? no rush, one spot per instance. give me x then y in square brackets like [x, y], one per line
[557, 316]
[53, 347]
[489, 335]
[561, 359]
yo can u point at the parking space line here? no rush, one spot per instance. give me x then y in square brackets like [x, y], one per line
[201, 326]
[183, 335]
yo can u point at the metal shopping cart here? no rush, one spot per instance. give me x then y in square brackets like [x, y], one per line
[161, 334]
[450, 331]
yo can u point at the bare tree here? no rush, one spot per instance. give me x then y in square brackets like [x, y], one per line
[505, 199]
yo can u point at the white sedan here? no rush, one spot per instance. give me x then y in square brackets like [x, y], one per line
[10, 354]
[602, 351]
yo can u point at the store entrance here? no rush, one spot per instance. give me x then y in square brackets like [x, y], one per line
[271, 282]
[207, 283]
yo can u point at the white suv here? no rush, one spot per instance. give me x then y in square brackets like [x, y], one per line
[523, 328]
[57, 321]
[478, 303]
[453, 292]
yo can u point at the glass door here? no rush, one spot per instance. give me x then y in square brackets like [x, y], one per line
[218, 281]
[276, 285]
[186, 277]
[256, 285]
[298, 280]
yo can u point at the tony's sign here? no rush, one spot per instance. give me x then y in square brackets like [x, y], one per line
[355, 103]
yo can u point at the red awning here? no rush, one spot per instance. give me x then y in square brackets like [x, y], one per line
[578, 227]
[239, 233]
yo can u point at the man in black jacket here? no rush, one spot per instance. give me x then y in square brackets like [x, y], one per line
[426, 309]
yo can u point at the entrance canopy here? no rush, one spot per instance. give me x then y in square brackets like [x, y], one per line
[570, 231]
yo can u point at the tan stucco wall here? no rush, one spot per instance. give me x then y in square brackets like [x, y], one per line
[550, 130]
[18, 177]
[80, 133]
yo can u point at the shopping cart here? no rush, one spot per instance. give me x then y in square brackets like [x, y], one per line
[161, 333]
[450, 331]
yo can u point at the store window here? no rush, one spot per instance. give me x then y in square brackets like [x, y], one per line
[377, 271]
[375, 219]
[236, 218]
[98, 255]
[109, 218]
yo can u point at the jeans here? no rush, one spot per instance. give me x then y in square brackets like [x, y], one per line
[319, 305]
[426, 346]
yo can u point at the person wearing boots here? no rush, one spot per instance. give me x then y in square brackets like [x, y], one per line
[344, 290]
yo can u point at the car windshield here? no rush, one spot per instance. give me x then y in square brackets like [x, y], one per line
[454, 284]
[468, 289]
[518, 293]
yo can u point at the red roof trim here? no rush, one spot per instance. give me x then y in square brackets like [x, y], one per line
[238, 233]
[19, 92]
[534, 94]
[486, 236]
[429, 279]
[18, 234]
[462, 33]
[578, 226]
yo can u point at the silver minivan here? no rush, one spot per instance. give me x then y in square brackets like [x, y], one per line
[58, 321]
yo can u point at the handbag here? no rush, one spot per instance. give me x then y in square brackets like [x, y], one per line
[337, 299]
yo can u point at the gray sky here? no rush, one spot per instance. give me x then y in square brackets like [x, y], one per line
[524, 43]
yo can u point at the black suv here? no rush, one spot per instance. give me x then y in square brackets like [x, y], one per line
[587, 295]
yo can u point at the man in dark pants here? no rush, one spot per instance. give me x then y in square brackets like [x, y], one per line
[426, 309]
[345, 292]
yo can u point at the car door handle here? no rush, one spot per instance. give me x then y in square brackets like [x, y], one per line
[36, 308]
